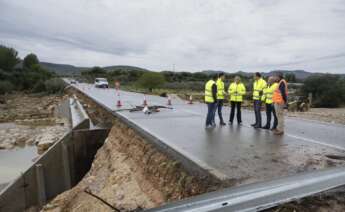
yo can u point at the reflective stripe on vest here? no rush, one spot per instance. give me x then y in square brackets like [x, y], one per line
[258, 86]
[236, 92]
[220, 89]
[268, 93]
[208, 91]
[277, 96]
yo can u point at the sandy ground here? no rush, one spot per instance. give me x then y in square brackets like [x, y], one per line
[330, 115]
[30, 120]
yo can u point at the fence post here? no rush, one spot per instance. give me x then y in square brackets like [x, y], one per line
[66, 166]
[41, 190]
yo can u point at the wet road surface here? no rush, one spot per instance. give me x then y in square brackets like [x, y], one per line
[230, 152]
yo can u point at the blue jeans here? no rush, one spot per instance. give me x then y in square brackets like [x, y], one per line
[211, 112]
[257, 111]
[220, 103]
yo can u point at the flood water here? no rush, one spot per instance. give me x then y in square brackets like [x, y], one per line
[14, 162]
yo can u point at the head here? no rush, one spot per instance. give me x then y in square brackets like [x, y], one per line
[257, 76]
[279, 76]
[221, 76]
[215, 76]
[237, 79]
[271, 80]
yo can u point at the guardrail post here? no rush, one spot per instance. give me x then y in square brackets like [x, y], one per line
[66, 166]
[41, 190]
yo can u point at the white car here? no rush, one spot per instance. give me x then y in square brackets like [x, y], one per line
[101, 83]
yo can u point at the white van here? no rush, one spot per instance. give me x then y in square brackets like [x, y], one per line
[101, 83]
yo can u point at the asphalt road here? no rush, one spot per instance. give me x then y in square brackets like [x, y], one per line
[240, 153]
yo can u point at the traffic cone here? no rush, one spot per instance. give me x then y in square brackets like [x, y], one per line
[145, 101]
[118, 104]
[190, 100]
[169, 100]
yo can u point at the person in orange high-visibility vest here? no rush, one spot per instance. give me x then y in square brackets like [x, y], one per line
[279, 98]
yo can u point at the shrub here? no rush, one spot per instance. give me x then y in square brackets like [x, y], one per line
[39, 87]
[55, 85]
[6, 87]
[151, 80]
[328, 90]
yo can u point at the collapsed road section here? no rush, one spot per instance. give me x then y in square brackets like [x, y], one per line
[167, 156]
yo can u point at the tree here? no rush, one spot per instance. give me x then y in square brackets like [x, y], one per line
[8, 58]
[328, 90]
[30, 60]
[290, 77]
[151, 80]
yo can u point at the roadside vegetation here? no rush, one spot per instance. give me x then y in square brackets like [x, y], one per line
[25, 75]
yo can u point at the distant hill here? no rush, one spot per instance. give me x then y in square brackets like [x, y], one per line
[300, 74]
[64, 69]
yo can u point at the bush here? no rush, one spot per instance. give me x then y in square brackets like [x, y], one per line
[151, 80]
[55, 85]
[39, 87]
[328, 90]
[6, 87]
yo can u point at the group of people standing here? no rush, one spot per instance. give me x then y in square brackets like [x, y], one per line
[272, 93]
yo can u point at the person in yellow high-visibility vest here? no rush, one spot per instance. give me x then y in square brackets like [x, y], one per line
[220, 97]
[236, 92]
[258, 86]
[267, 99]
[211, 101]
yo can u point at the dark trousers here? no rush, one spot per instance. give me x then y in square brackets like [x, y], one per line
[257, 110]
[220, 103]
[269, 111]
[211, 109]
[232, 113]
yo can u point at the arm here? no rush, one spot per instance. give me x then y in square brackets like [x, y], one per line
[214, 92]
[283, 91]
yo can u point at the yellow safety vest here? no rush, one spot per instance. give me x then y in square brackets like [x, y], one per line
[258, 86]
[208, 91]
[220, 89]
[268, 93]
[236, 92]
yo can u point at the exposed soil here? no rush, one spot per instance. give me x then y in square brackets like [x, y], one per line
[330, 115]
[333, 200]
[129, 173]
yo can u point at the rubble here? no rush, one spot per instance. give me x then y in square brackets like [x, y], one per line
[29, 120]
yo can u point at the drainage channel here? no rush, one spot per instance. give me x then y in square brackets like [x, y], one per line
[61, 167]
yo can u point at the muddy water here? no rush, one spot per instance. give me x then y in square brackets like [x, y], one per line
[15, 161]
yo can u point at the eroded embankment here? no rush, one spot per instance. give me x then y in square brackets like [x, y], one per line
[129, 173]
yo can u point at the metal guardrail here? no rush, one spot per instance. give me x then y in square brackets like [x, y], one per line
[260, 196]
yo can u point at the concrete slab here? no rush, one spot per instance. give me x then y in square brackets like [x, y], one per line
[232, 152]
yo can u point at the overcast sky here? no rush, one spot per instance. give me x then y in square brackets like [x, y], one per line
[229, 35]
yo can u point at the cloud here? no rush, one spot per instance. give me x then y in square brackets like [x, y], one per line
[249, 35]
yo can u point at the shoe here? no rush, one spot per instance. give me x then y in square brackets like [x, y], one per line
[278, 132]
[239, 123]
[253, 125]
[266, 128]
[230, 122]
[222, 124]
[208, 127]
[257, 126]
